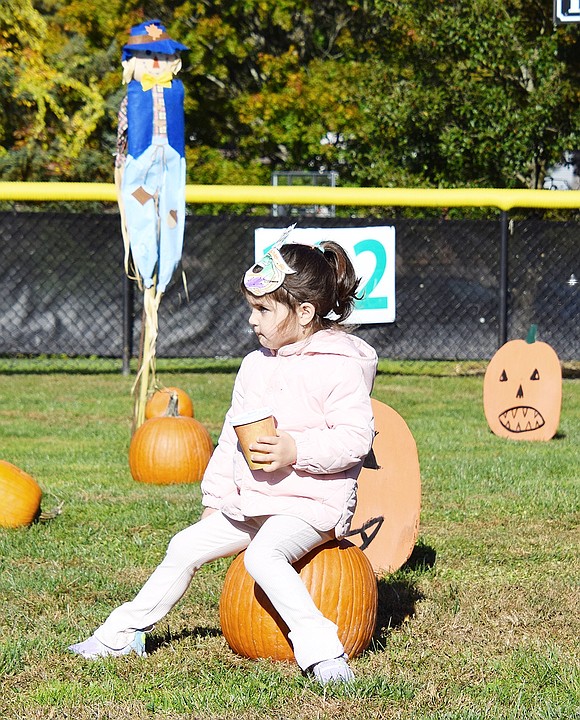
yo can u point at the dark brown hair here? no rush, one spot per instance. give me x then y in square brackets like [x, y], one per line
[324, 276]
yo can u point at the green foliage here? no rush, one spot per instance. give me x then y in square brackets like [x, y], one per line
[386, 92]
[478, 94]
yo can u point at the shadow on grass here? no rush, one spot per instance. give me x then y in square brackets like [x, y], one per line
[159, 641]
[398, 594]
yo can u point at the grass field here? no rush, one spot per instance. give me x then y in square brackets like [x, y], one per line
[483, 622]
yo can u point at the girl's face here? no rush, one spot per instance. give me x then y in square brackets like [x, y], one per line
[275, 324]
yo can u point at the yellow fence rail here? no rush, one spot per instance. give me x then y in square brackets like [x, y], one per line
[307, 195]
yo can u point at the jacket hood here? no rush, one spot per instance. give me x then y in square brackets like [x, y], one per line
[337, 342]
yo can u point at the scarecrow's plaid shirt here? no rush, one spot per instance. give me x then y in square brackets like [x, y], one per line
[159, 112]
[121, 154]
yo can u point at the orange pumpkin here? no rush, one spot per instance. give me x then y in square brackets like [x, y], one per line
[170, 449]
[340, 580]
[159, 401]
[386, 521]
[20, 496]
[522, 390]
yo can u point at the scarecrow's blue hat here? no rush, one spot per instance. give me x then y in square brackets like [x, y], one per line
[151, 35]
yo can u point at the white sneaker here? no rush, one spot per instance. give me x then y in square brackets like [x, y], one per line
[94, 648]
[333, 671]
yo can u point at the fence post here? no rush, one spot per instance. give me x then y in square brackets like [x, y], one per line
[127, 323]
[503, 279]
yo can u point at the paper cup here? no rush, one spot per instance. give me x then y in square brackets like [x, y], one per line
[249, 427]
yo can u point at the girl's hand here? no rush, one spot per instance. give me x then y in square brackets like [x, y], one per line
[277, 450]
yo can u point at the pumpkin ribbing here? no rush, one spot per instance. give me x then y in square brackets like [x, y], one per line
[20, 496]
[342, 584]
[170, 449]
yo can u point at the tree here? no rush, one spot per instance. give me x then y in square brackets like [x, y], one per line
[49, 111]
[386, 92]
[275, 77]
[480, 93]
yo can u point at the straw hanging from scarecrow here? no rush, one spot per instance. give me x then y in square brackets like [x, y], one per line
[150, 179]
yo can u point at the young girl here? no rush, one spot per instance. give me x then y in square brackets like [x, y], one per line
[317, 379]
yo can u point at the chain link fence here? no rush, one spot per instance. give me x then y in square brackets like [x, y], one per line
[65, 292]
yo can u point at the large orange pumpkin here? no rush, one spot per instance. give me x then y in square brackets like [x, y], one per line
[159, 402]
[170, 449]
[20, 496]
[341, 581]
[522, 390]
[386, 521]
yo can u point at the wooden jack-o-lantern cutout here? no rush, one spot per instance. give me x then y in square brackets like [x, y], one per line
[522, 390]
[340, 580]
[386, 522]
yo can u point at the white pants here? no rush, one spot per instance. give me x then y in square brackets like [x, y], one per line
[272, 544]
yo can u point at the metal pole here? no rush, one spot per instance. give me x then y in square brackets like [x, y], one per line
[127, 324]
[503, 279]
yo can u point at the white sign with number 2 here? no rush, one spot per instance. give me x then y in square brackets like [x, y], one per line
[372, 252]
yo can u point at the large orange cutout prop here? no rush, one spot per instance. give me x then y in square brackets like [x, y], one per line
[340, 580]
[386, 522]
[522, 390]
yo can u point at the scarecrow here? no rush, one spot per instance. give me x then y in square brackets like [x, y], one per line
[150, 177]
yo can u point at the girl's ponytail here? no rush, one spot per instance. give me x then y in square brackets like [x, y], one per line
[346, 280]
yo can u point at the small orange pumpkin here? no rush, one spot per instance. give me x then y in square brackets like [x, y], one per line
[522, 390]
[159, 401]
[20, 496]
[341, 581]
[170, 449]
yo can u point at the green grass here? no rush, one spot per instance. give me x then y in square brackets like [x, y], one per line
[24, 365]
[483, 622]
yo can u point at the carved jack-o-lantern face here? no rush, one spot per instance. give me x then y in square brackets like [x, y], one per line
[522, 391]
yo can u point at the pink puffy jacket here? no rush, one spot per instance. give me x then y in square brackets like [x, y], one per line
[319, 390]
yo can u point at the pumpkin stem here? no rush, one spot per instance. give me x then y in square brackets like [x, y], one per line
[46, 515]
[172, 406]
[532, 334]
